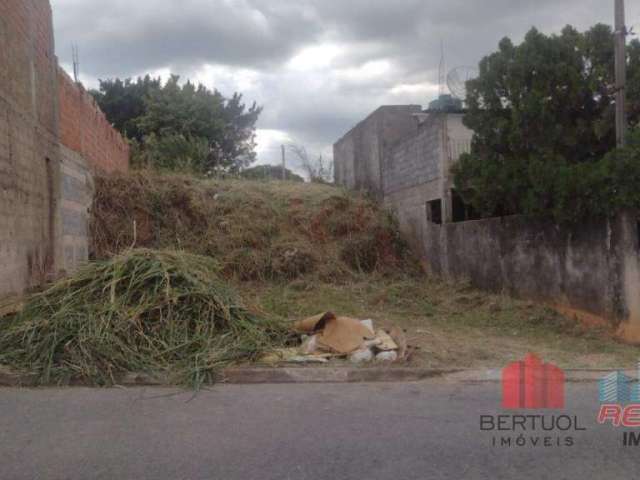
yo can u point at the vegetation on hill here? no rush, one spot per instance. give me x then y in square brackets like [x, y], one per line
[255, 230]
[269, 172]
[543, 117]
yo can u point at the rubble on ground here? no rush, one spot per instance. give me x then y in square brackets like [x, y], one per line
[327, 336]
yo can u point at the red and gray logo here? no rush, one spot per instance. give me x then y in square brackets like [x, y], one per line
[532, 384]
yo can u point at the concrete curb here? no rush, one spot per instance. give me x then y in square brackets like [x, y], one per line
[330, 375]
[306, 375]
[571, 375]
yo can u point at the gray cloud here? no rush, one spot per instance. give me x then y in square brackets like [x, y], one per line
[363, 52]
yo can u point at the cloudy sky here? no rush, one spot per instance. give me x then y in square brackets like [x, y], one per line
[317, 66]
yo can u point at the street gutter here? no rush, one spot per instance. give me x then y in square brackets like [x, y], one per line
[308, 375]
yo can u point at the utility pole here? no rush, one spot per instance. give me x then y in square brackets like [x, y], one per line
[284, 164]
[76, 63]
[621, 72]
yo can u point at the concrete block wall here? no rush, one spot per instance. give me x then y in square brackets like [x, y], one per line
[44, 187]
[416, 160]
[591, 270]
[29, 158]
[76, 196]
[359, 155]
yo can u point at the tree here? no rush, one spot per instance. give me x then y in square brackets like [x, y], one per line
[123, 102]
[169, 124]
[319, 170]
[541, 111]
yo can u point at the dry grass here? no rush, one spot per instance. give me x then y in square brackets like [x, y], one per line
[453, 325]
[158, 312]
[257, 230]
[299, 249]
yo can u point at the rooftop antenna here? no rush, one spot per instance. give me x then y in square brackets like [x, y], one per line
[442, 70]
[76, 63]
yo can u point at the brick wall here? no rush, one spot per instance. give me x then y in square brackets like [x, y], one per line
[85, 129]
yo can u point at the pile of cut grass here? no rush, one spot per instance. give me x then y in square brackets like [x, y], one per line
[143, 311]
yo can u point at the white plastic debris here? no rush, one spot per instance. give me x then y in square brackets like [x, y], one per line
[391, 356]
[307, 359]
[361, 356]
[310, 345]
[368, 323]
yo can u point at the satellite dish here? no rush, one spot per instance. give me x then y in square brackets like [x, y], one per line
[457, 81]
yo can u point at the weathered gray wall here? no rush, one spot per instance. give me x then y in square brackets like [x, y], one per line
[412, 177]
[416, 170]
[587, 268]
[76, 193]
[359, 155]
[592, 270]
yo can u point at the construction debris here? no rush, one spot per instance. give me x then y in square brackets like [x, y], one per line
[400, 339]
[361, 356]
[345, 336]
[390, 356]
[386, 342]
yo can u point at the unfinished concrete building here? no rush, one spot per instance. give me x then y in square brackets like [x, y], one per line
[403, 155]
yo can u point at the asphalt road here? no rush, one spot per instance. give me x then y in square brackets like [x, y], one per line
[426, 430]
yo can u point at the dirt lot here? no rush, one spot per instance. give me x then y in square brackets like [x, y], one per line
[454, 325]
[298, 249]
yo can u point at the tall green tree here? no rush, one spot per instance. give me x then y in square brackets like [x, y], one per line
[170, 123]
[538, 110]
[124, 101]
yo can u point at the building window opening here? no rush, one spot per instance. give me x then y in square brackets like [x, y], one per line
[461, 212]
[434, 211]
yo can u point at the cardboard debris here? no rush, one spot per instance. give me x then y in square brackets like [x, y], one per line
[341, 335]
[344, 335]
[312, 324]
[400, 339]
[387, 343]
[349, 336]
